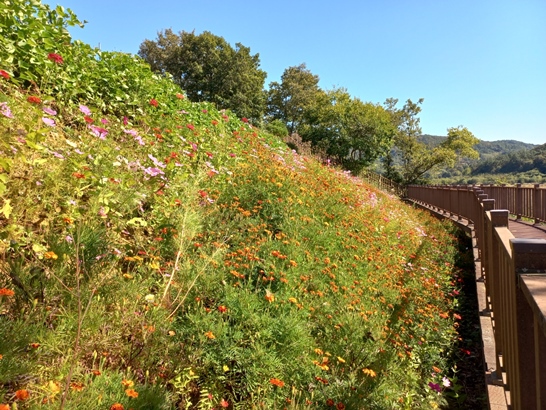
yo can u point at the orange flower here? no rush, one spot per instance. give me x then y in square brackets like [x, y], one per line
[4, 406]
[276, 382]
[22, 394]
[127, 383]
[330, 402]
[116, 406]
[131, 393]
[210, 335]
[96, 372]
[50, 255]
[6, 292]
[34, 99]
[270, 297]
[76, 386]
[222, 309]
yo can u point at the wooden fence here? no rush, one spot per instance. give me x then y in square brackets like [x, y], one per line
[514, 272]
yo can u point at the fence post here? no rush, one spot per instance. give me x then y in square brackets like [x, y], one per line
[519, 202]
[499, 219]
[536, 203]
[529, 256]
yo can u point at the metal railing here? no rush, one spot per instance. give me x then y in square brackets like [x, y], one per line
[514, 272]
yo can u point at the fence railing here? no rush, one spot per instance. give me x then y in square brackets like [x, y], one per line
[514, 272]
[383, 183]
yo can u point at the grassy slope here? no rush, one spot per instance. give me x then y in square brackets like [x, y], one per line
[185, 259]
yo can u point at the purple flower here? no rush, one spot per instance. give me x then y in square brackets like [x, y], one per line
[57, 155]
[4, 109]
[49, 111]
[435, 387]
[104, 121]
[153, 171]
[85, 109]
[48, 121]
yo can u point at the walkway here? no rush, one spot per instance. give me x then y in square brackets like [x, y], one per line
[526, 230]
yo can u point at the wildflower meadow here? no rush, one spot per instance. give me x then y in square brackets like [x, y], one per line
[157, 253]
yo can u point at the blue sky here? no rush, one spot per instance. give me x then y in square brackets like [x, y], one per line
[480, 64]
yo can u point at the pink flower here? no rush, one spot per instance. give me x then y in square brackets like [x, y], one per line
[56, 58]
[48, 121]
[190, 127]
[85, 110]
[49, 111]
[125, 120]
[5, 111]
[98, 131]
[153, 171]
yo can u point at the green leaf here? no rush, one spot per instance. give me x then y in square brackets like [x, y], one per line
[6, 209]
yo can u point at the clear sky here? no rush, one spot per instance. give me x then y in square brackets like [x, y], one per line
[477, 63]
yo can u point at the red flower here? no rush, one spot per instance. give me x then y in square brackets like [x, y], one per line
[154, 102]
[244, 119]
[34, 99]
[190, 127]
[4, 74]
[55, 58]
[222, 309]
[179, 96]
[224, 403]
[88, 119]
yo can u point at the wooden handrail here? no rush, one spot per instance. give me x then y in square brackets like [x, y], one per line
[514, 272]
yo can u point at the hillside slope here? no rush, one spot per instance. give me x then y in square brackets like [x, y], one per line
[161, 254]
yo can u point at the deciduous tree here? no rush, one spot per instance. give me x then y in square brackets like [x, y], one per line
[209, 69]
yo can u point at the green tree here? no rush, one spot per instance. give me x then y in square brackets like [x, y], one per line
[352, 132]
[289, 100]
[209, 69]
[416, 159]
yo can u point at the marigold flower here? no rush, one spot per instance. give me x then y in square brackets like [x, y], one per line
[244, 119]
[22, 394]
[4, 74]
[210, 335]
[340, 406]
[270, 297]
[50, 255]
[154, 102]
[117, 406]
[131, 393]
[6, 292]
[33, 99]
[330, 402]
[276, 382]
[56, 58]
[179, 96]
[77, 386]
[4, 406]
[127, 383]
[222, 309]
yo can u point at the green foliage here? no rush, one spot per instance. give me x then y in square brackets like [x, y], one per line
[412, 159]
[209, 69]
[290, 99]
[161, 254]
[351, 132]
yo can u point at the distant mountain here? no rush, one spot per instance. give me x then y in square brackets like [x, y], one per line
[485, 148]
[506, 161]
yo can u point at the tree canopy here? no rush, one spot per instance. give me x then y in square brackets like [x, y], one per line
[290, 99]
[207, 68]
[415, 158]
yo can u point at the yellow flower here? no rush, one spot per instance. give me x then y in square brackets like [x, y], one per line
[341, 360]
[369, 372]
[127, 383]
